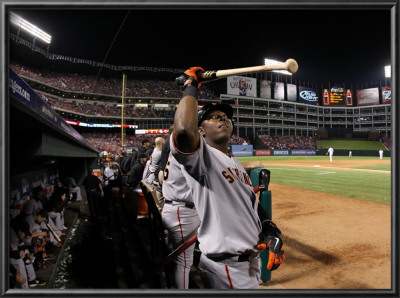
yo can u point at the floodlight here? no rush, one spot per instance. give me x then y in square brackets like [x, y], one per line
[273, 62]
[30, 28]
[387, 71]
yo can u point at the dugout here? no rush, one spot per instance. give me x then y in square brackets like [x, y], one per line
[42, 147]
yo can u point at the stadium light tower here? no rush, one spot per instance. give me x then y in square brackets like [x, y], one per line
[273, 62]
[23, 24]
[387, 71]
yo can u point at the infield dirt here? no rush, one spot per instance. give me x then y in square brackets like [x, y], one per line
[331, 242]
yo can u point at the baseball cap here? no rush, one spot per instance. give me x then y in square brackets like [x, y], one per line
[209, 107]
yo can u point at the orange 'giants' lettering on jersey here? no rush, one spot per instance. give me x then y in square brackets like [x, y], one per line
[228, 177]
[247, 179]
[242, 176]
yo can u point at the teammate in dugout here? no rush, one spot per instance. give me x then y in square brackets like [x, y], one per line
[179, 216]
[233, 225]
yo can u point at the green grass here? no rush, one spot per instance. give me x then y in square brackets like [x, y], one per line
[367, 186]
[350, 145]
[379, 168]
[316, 157]
[374, 187]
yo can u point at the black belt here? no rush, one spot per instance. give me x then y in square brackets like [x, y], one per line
[187, 204]
[245, 257]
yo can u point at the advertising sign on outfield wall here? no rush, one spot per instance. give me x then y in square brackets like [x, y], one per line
[280, 152]
[291, 92]
[263, 152]
[265, 89]
[366, 97]
[242, 86]
[308, 95]
[304, 152]
[242, 150]
[279, 91]
[386, 95]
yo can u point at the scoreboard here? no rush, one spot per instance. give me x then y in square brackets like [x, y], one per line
[337, 96]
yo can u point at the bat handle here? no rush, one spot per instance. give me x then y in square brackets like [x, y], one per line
[205, 76]
[180, 80]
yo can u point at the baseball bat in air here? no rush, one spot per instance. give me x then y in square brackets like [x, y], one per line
[210, 75]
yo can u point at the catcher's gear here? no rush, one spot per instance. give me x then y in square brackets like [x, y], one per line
[273, 242]
[190, 77]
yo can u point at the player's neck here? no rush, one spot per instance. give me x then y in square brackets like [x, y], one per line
[221, 147]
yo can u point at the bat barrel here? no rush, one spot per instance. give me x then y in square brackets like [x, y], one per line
[291, 65]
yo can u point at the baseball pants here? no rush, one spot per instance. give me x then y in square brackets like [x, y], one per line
[230, 274]
[20, 266]
[181, 222]
[59, 224]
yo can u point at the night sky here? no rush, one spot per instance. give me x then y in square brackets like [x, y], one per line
[329, 45]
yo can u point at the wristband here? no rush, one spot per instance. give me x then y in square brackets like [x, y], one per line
[190, 90]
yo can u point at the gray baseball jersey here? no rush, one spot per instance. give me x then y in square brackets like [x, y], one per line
[224, 198]
[175, 187]
[152, 167]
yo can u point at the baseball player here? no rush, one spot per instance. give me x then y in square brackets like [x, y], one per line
[232, 221]
[330, 152]
[154, 159]
[380, 154]
[180, 218]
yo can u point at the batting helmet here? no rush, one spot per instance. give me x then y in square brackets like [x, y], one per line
[209, 107]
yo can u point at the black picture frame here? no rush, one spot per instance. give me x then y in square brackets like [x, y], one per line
[392, 6]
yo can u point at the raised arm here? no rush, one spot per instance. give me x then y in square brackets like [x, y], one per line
[185, 132]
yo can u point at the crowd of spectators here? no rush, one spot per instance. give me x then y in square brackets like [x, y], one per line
[111, 142]
[106, 86]
[97, 109]
[289, 142]
[136, 88]
[236, 140]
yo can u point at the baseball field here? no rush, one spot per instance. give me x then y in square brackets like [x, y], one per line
[335, 218]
